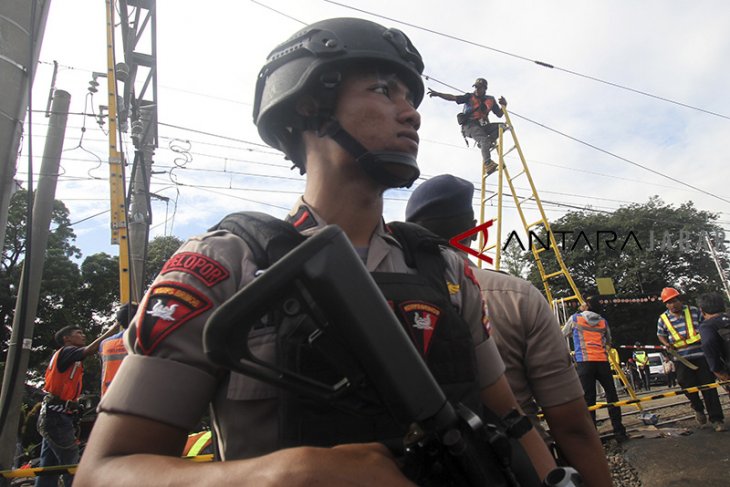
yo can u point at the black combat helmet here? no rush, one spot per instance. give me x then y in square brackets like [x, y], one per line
[312, 62]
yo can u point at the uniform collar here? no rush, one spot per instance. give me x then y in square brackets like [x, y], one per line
[307, 222]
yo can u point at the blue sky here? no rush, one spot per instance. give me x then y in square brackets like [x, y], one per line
[209, 56]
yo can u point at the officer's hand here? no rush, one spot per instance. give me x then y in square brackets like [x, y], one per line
[502, 101]
[432, 93]
[375, 465]
[351, 465]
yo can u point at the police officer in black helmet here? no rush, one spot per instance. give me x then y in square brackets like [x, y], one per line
[339, 99]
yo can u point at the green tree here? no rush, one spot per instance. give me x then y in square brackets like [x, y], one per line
[159, 251]
[515, 261]
[69, 295]
[642, 248]
[60, 274]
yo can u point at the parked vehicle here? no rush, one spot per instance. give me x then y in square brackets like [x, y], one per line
[656, 369]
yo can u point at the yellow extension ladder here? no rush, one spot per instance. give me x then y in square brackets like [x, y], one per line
[541, 253]
[507, 130]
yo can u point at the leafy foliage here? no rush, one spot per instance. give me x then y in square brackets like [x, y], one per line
[69, 295]
[159, 251]
[642, 248]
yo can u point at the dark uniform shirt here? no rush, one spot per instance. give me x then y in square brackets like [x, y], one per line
[68, 356]
[713, 344]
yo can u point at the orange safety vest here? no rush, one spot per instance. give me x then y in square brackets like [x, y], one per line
[112, 354]
[64, 385]
[477, 107]
[677, 340]
[589, 341]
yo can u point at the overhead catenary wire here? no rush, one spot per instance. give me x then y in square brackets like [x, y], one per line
[592, 146]
[685, 186]
[607, 152]
[524, 58]
[560, 204]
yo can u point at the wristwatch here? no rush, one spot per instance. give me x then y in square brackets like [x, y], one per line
[517, 424]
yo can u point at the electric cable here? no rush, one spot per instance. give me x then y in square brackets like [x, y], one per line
[279, 12]
[79, 145]
[213, 135]
[103, 212]
[545, 65]
[539, 63]
[595, 147]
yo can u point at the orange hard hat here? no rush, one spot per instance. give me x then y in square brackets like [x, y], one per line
[669, 293]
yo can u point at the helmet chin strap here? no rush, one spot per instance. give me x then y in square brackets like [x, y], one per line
[376, 164]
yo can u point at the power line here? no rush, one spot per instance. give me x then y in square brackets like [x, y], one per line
[683, 183]
[299, 179]
[539, 63]
[213, 135]
[278, 12]
[595, 147]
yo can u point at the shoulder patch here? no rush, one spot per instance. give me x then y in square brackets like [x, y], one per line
[469, 273]
[421, 318]
[302, 219]
[453, 288]
[169, 305]
[207, 270]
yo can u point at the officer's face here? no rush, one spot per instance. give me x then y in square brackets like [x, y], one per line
[378, 111]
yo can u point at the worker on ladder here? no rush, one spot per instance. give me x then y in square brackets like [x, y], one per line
[474, 119]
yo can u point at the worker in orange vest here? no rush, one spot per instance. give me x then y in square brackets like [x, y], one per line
[61, 409]
[112, 350]
[474, 119]
[591, 341]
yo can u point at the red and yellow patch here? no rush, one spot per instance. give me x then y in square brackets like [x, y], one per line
[207, 270]
[469, 273]
[422, 319]
[169, 305]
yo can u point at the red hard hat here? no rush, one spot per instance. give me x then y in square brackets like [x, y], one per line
[669, 293]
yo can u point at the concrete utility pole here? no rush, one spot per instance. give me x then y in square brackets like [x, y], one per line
[21, 341]
[716, 260]
[21, 35]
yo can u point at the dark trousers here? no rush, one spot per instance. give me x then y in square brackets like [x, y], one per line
[589, 373]
[645, 377]
[691, 378]
[59, 446]
[484, 135]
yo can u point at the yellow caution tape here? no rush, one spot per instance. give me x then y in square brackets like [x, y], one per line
[71, 469]
[660, 396]
[38, 471]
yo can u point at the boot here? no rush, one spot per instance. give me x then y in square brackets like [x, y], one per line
[490, 167]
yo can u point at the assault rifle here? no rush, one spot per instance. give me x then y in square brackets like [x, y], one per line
[323, 282]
